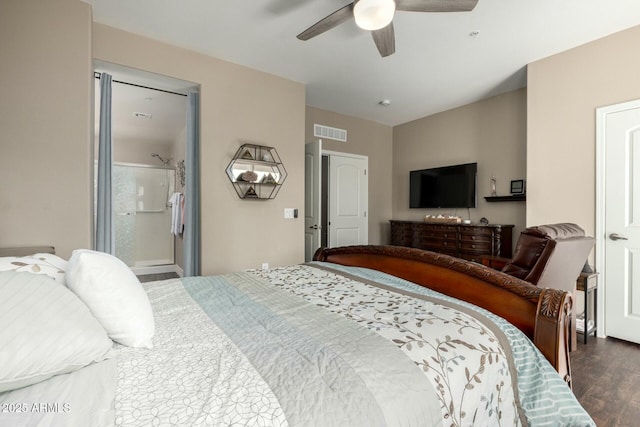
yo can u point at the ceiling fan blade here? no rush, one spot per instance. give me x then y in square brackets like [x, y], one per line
[385, 40]
[436, 5]
[336, 18]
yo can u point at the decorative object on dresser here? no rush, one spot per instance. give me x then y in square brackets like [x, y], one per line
[256, 172]
[467, 241]
[443, 219]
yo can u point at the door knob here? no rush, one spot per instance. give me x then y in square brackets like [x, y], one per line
[314, 226]
[616, 236]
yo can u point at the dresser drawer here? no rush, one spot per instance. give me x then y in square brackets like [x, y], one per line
[476, 232]
[401, 234]
[439, 245]
[445, 232]
[476, 246]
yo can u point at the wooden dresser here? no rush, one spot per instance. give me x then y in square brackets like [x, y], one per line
[467, 241]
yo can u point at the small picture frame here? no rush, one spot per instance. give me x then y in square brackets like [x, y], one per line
[517, 186]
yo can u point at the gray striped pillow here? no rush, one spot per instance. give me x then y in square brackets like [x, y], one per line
[45, 330]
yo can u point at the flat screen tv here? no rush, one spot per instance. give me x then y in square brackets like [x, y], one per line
[443, 187]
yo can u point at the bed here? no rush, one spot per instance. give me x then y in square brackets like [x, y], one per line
[364, 335]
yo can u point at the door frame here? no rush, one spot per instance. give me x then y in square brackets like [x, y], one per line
[330, 153]
[154, 81]
[315, 182]
[600, 225]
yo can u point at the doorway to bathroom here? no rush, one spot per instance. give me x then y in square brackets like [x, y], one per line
[148, 128]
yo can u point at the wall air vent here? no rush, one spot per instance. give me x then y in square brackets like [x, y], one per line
[322, 131]
[142, 115]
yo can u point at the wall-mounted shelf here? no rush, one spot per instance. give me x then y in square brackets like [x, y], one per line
[256, 172]
[512, 198]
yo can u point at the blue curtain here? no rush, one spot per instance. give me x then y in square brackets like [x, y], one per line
[105, 234]
[192, 191]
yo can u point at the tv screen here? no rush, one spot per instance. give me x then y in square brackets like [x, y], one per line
[444, 187]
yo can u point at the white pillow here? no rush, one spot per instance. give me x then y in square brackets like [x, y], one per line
[49, 264]
[45, 330]
[114, 295]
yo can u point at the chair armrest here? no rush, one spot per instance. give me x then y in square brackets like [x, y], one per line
[495, 262]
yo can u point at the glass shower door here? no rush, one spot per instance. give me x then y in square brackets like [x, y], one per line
[142, 217]
[124, 212]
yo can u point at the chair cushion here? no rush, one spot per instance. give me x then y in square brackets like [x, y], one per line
[563, 230]
[535, 246]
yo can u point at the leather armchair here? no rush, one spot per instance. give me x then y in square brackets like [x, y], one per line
[552, 256]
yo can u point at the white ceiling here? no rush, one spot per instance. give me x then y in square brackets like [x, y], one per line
[438, 64]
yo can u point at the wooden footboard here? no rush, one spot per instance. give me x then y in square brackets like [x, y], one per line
[542, 314]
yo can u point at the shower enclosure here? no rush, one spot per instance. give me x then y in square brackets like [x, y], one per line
[142, 215]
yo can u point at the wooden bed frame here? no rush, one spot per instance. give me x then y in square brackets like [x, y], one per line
[542, 314]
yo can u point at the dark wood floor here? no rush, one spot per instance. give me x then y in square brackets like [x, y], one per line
[606, 380]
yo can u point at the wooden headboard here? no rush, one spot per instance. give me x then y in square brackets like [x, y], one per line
[542, 314]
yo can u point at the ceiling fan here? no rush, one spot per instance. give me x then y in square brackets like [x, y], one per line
[377, 15]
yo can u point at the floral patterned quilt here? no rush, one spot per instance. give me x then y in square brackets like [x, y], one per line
[465, 357]
[322, 344]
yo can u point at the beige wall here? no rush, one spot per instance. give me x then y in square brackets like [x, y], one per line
[564, 91]
[136, 151]
[491, 132]
[46, 117]
[46, 52]
[237, 105]
[369, 139]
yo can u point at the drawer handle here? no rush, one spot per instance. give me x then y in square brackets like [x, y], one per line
[473, 237]
[473, 246]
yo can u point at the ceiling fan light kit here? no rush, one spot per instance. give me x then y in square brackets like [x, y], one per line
[373, 15]
[377, 16]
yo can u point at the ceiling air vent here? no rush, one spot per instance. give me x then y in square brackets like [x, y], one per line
[322, 131]
[142, 115]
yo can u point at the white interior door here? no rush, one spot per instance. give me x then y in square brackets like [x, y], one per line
[348, 201]
[312, 197]
[622, 219]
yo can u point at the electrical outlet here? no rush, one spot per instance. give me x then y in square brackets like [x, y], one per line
[265, 265]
